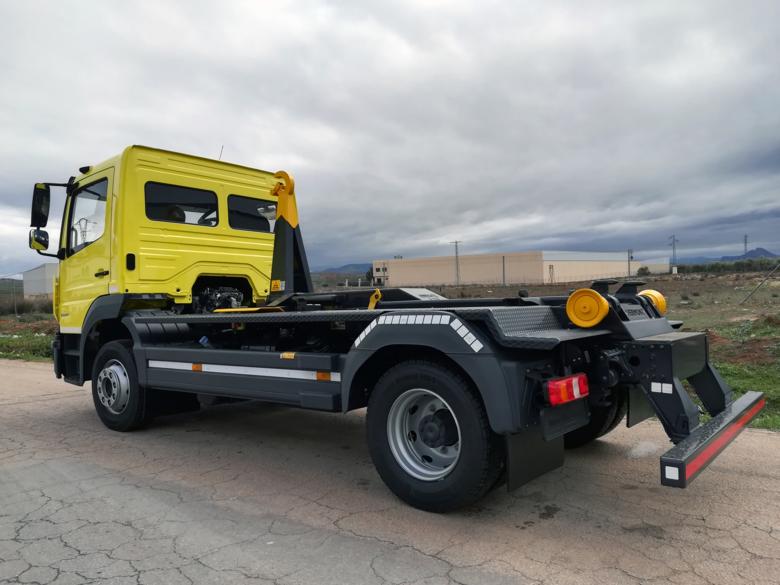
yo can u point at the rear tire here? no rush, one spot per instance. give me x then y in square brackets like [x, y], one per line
[119, 400]
[429, 437]
[603, 419]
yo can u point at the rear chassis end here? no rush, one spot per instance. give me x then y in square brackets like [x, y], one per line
[659, 369]
[635, 360]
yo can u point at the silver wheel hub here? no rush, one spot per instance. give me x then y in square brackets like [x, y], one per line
[113, 387]
[423, 434]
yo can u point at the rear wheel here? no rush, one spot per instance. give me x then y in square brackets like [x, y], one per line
[603, 419]
[429, 437]
[119, 400]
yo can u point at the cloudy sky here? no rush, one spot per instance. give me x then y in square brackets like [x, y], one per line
[408, 124]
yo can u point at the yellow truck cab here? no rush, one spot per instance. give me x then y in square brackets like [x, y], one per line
[151, 224]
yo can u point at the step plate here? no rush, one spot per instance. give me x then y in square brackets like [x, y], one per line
[683, 462]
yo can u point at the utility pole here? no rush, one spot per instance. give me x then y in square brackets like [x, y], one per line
[457, 262]
[673, 241]
[630, 258]
[746, 242]
[13, 291]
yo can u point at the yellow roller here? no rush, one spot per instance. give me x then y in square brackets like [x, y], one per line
[658, 300]
[586, 308]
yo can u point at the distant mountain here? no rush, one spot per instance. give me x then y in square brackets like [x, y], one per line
[356, 268]
[754, 253]
[751, 254]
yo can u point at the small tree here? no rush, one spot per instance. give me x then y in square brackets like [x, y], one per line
[643, 271]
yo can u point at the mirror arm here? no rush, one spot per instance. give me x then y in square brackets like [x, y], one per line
[57, 256]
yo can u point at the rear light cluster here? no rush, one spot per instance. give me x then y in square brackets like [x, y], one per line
[562, 390]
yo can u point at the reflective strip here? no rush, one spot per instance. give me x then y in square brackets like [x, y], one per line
[245, 370]
[671, 472]
[661, 388]
[70, 329]
[575, 383]
[720, 442]
[427, 319]
[170, 365]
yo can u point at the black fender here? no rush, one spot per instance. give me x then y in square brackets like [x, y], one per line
[500, 382]
[102, 308]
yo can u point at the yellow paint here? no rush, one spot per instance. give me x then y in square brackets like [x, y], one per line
[658, 300]
[169, 256]
[79, 286]
[586, 308]
[286, 207]
[376, 296]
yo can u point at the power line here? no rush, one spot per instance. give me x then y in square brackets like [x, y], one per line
[673, 241]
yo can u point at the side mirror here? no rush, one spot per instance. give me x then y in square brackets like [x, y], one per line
[40, 206]
[39, 239]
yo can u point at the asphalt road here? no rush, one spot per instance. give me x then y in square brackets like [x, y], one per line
[250, 493]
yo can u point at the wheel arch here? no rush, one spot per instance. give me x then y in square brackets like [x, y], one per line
[485, 373]
[102, 324]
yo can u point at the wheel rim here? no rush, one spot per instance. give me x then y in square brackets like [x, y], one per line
[424, 434]
[113, 387]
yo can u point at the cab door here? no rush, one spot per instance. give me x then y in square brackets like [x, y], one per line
[85, 270]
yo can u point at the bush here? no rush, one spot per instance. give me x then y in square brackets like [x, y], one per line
[643, 271]
[750, 265]
[24, 306]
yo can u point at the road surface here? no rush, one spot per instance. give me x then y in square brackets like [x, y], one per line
[250, 493]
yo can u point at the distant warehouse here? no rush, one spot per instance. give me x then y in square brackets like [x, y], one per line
[535, 267]
[39, 281]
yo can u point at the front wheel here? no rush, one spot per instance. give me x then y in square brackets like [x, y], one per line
[119, 400]
[429, 437]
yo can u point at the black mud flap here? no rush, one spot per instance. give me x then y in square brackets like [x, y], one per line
[683, 462]
[529, 455]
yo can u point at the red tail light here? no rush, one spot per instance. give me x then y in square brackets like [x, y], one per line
[563, 390]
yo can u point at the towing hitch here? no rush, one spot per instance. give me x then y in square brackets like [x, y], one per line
[659, 365]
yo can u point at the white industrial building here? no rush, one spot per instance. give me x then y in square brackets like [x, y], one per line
[535, 267]
[38, 282]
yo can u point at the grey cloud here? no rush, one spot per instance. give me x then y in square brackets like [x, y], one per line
[509, 126]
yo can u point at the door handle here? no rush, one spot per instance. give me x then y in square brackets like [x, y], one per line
[101, 273]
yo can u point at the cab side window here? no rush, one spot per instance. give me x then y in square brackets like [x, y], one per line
[177, 204]
[248, 213]
[88, 215]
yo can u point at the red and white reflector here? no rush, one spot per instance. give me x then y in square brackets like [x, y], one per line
[563, 390]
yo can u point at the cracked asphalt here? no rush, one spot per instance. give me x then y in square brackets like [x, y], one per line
[251, 493]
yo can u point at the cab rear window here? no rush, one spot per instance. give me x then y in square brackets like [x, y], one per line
[177, 204]
[248, 213]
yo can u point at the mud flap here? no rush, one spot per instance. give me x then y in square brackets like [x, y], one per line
[683, 462]
[528, 456]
